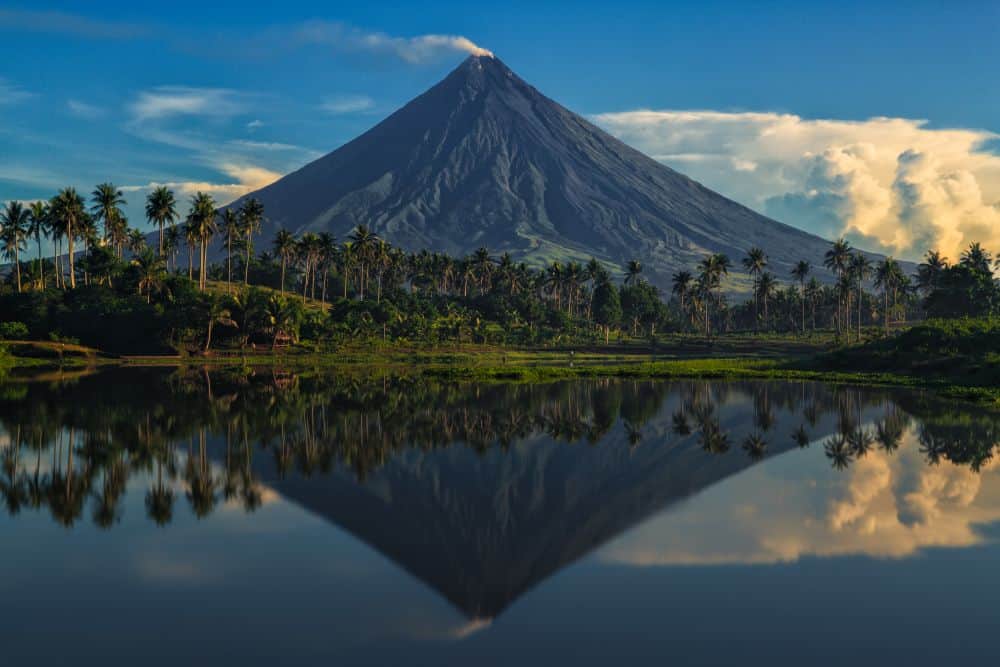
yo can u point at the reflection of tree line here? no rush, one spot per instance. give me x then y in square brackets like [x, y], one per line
[78, 443]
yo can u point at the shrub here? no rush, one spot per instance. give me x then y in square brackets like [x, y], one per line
[13, 330]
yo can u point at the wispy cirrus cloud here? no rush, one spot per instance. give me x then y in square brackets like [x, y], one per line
[347, 104]
[335, 35]
[84, 110]
[892, 184]
[11, 93]
[166, 101]
[64, 23]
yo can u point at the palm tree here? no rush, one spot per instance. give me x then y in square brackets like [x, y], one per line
[38, 226]
[161, 209]
[836, 260]
[929, 271]
[362, 241]
[150, 270]
[755, 262]
[14, 221]
[251, 215]
[232, 231]
[172, 245]
[202, 226]
[713, 268]
[632, 271]
[766, 286]
[217, 312]
[860, 268]
[136, 241]
[978, 259]
[68, 209]
[108, 201]
[813, 291]
[682, 287]
[888, 275]
[284, 247]
[800, 272]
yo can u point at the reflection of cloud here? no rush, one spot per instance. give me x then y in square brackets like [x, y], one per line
[888, 506]
[890, 182]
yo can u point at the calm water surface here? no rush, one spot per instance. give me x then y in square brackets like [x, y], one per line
[165, 518]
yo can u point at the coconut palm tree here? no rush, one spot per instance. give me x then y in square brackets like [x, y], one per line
[976, 258]
[813, 291]
[632, 271]
[800, 272]
[150, 271]
[14, 225]
[712, 269]
[107, 202]
[172, 245]
[284, 247]
[682, 281]
[38, 226]
[836, 260]
[860, 268]
[136, 241]
[929, 271]
[69, 210]
[888, 276]
[201, 227]
[252, 217]
[161, 210]
[766, 287]
[363, 241]
[232, 232]
[755, 263]
[217, 312]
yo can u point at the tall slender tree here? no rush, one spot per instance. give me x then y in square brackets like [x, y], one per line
[284, 248]
[14, 225]
[800, 272]
[69, 210]
[161, 210]
[252, 217]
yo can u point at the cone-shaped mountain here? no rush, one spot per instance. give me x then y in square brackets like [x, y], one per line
[484, 159]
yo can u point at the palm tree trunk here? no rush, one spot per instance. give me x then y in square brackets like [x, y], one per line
[283, 275]
[69, 239]
[229, 263]
[17, 265]
[41, 261]
[246, 267]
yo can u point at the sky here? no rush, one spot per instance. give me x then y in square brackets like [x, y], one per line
[880, 122]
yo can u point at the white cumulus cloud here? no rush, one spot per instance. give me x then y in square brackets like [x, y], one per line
[893, 184]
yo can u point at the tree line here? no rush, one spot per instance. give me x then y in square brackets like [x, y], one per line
[375, 289]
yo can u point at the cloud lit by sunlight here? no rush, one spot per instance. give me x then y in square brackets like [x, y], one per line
[892, 184]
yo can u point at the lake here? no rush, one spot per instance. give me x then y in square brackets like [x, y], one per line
[266, 517]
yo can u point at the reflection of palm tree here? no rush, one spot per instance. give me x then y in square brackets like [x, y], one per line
[860, 441]
[755, 446]
[801, 436]
[160, 499]
[713, 439]
[680, 423]
[839, 452]
[634, 434]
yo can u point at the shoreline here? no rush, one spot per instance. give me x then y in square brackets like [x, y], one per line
[511, 366]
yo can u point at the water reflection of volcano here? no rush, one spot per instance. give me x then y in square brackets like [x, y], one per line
[484, 528]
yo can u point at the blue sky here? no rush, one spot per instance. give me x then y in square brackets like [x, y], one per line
[771, 103]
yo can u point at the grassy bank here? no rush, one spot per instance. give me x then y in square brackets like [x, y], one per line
[958, 359]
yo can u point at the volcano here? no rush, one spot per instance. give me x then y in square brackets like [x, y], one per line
[483, 159]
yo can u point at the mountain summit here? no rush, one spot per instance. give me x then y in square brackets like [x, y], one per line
[484, 159]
